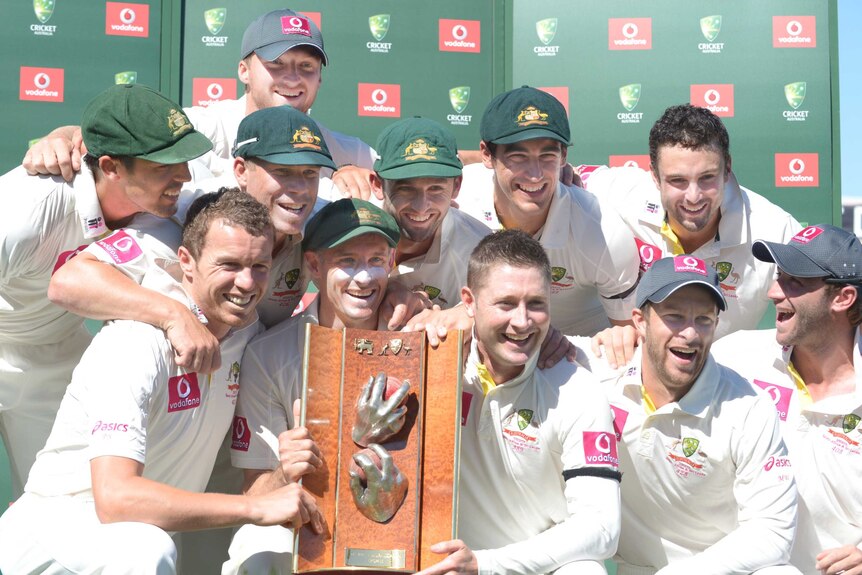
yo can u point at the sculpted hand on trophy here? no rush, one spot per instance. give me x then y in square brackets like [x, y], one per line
[380, 410]
[377, 485]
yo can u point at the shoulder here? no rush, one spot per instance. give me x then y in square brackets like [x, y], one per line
[465, 223]
[279, 343]
[767, 217]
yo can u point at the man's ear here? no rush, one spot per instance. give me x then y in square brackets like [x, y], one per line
[639, 319]
[111, 167]
[187, 262]
[469, 301]
[312, 263]
[487, 157]
[457, 186]
[242, 70]
[376, 185]
[240, 169]
[844, 299]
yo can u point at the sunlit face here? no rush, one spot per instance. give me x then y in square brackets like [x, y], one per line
[229, 277]
[511, 310]
[802, 307]
[677, 333]
[153, 187]
[293, 79]
[525, 175]
[692, 187]
[352, 279]
[419, 204]
[288, 191]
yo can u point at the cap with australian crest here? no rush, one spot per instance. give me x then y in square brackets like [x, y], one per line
[416, 148]
[282, 135]
[346, 219]
[524, 113]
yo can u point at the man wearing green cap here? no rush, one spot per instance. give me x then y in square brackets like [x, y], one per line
[349, 249]
[139, 144]
[525, 137]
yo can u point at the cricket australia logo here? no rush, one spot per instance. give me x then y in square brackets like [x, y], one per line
[532, 116]
[561, 279]
[521, 430]
[850, 422]
[687, 458]
[233, 372]
[689, 446]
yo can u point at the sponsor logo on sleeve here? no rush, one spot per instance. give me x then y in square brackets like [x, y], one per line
[43, 9]
[379, 27]
[466, 402]
[106, 427]
[600, 448]
[794, 93]
[122, 19]
[183, 392]
[120, 247]
[629, 33]
[206, 91]
[214, 19]
[561, 93]
[779, 465]
[630, 96]
[710, 27]
[41, 84]
[380, 100]
[629, 161]
[459, 99]
[806, 235]
[794, 31]
[460, 35]
[648, 254]
[66, 256]
[717, 98]
[689, 264]
[797, 170]
[241, 434]
[780, 396]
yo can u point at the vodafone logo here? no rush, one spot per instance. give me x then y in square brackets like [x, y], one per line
[206, 91]
[807, 234]
[183, 392]
[779, 394]
[120, 247]
[600, 448]
[241, 434]
[620, 417]
[794, 31]
[648, 254]
[459, 35]
[689, 264]
[629, 161]
[66, 256]
[380, 100]
[124, 19]
[797, 170]
[41, 84]
[295, 25]
[712, 97]
[629, 33]
[717, 98]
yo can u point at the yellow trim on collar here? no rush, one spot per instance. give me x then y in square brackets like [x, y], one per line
[649, 406]
[485, 379]
[670, 236]
[804, 394]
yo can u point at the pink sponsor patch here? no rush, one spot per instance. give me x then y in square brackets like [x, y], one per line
[295, 25]
[66, 256]
[807, 234]
[241, 434]
[689, 264]
[600, 448]
[648, 254]
[183, 392]
[620, 417]
[121, 247]
[780, 396]
[466, 401]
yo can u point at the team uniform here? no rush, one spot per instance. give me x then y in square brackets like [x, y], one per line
[745, 217]
[46, 223]
[219, 122]
[823, 438]
[538, 489]
[594, 263]
[707, 484]
[127, 399]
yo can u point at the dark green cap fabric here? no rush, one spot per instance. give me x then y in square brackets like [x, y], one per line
[282, 135]
[524, 114]
[133, 120]
[346, 219]
[416, 148]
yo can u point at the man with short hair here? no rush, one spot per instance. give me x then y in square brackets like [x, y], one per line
[137, 163]
[708, 486]
[136, 436]
[525, 137]
[538, 481]
[809, 365]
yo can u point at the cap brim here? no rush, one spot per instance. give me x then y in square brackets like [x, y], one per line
[788, 258]
[662, 294]
[299, 159]
[532, 134]
[360, 231]
[420, 170]
[271, 52]
[192, 145]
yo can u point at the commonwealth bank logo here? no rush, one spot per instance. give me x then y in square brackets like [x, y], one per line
[630, 95]
[379, 26]
[459, 97]
[44, 9]
[795, 94]
[215, 18]
[710, 26]
[546, 30]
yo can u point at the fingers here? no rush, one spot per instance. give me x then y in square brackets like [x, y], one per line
[353, 182]
[378, 387]
[297, 412]
[554, 348]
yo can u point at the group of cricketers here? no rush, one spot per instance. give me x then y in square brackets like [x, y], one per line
[598, 420]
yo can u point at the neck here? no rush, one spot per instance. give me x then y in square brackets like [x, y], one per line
[659, 393]
[499, 373]
[514, 219]
[692, 241]
[116, 208]
[408, 249]
[826, 365]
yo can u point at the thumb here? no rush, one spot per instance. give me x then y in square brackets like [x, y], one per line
[297, 412]
[446, 547]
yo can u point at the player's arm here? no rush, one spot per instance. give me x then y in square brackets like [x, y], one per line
[121, 493]
[616, 344]
[58, 154]
[91, 288]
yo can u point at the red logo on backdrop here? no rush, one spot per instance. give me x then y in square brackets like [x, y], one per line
[205, 91]
[41, 84]
[689, 264]
[314, 17]
[561, 93]
[380, 100]
[637, 161]
[629, 33]
[620, 417]
[717, 98]
[241, 434]
[466, 400]
[183, 392]
[780, 395]
[794, 31]
[797, 170]
[460, 35]
[66, 256]
[648, 254]
[807, 234]
[120, 247]
[600, 448]
[295, 25]
[122, 19]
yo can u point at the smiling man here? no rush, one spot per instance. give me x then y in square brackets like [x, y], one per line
[525, 138]
[810, 365]
[707, 484]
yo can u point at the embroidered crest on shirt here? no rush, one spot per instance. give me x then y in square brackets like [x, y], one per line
[727, 278]
[232, 381]
[686, 457]
[521, 430]
[560, 279]
[843, 433]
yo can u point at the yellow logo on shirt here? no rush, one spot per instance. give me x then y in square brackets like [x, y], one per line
[851, 420]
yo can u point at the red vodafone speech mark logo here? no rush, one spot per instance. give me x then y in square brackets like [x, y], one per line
[717, 98]
[241, 436]
[648, 254]
[460, 35]
[600, 448]
[295, 25]
[689, 264]
[794, 31]
[561, 93]
[466, 401]
[41, 84]
[629, 161]
[66, 256]
[120, 247]
[122, 19]
[780, 395]
[620, 417]
[380, 100]
[629, 33]
[183, 392]
[206, 91]
[797, 170]
[807, 235]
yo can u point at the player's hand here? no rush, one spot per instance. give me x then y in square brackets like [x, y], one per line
[846, 560]
[569, 176]
[57, 154]
[378, 419]
[195, 347]
[385, 488]
[353, 182]
[298, 454]
[290, 506]
[556, 347]
[616, 344]
[460, 561]
[436, 323]
[400, 304]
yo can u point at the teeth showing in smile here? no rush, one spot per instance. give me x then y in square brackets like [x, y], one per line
[238, 300]
[693, 210]
[785, 315]
[517, 338]
[418, 219]
[293, 208]
[531, 189]
[361, 294]
[683, 353]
